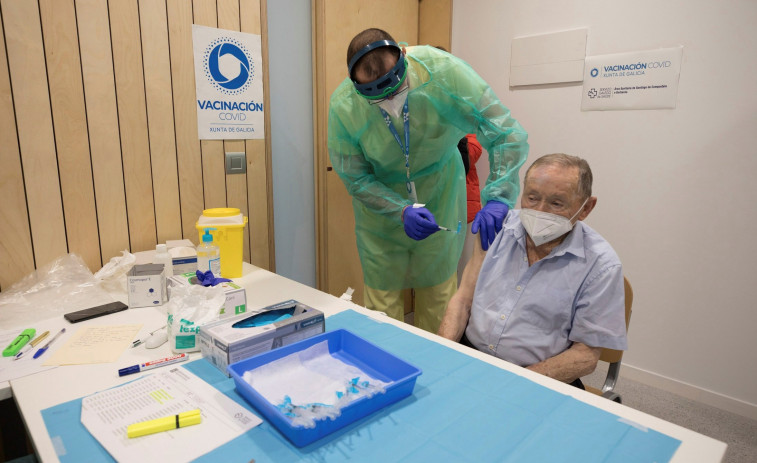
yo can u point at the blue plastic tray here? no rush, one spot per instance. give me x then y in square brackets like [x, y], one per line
[349, 348]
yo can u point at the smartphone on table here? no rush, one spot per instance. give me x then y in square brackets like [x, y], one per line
[97, 311]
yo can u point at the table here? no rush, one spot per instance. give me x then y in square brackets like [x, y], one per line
[46, 389]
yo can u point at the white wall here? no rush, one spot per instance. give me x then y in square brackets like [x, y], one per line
[291, 85]
[677, 188]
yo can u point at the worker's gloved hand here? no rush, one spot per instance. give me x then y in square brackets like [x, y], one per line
[489, 222]
[419, 223]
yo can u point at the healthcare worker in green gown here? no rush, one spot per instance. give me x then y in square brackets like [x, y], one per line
[393, 130]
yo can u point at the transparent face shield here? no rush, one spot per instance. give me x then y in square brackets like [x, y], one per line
[385, 85]
[397, 96]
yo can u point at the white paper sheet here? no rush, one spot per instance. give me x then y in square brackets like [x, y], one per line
[107, 414]
[94, 344]
[11, 369]
[229, 84]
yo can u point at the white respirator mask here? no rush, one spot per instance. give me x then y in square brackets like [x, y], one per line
[544, 227]
[394, 105]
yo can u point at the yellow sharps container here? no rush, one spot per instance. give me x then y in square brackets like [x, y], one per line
[228, 235]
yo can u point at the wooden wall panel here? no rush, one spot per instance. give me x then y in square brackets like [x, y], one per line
[259, 184]
[236, 190]
[99, 150]
[26, 62]
[16, 250]
[213, 158]
[160, 118]
[102, 116]
[214, 176]
[236, 184]
[188, 153]
[228, 14]
[435, 23]
[132, 118]
[70, 125]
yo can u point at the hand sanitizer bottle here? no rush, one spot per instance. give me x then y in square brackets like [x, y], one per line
[208, 255]
[163, 257]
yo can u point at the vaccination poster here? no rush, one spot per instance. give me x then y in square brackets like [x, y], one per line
[636, 80]
[229, 84]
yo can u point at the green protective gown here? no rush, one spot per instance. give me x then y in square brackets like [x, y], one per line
[446, 101]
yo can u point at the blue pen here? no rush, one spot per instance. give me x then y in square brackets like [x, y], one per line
[31, 345]
[44, 348]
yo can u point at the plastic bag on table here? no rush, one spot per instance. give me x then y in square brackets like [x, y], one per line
[64, 285]
[112, 277]
[189, 308]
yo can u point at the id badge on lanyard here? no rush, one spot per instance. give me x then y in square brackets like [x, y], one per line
[412, 195]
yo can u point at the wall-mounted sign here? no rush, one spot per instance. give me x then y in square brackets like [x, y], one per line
[637, 80]
[229, 83]
[548, 58]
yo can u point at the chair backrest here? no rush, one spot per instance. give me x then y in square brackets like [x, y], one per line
[612, 355]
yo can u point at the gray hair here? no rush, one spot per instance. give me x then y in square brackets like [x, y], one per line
[585, 177]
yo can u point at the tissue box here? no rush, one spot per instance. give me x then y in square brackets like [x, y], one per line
[183, 255]
[236, 297]
[146, 285]
[183, 265]
[223, 344]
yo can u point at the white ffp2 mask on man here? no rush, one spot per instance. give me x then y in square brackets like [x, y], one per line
[394, 105]
[544, 227]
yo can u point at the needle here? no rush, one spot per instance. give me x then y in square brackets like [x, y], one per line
[459, 226]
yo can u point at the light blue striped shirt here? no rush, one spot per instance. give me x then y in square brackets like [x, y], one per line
[527, 314]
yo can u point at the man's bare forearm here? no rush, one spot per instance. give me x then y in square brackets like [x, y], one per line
[459, 307]
[580, 360]
[455, 318]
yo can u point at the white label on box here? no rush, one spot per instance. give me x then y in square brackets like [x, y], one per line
[302, 334]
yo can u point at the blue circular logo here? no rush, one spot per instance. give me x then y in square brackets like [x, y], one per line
[228, 66]
[594, 72]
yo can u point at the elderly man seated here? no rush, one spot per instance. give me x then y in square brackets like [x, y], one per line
[548, 294]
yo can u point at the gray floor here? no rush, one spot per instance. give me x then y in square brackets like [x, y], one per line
[738, 432]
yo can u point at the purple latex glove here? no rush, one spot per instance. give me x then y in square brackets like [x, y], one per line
[489, 222]
[419, 223]
[208, 279]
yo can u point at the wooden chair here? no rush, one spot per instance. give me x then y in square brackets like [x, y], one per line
[613, 357]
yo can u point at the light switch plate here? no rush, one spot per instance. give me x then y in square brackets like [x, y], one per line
[235, 163]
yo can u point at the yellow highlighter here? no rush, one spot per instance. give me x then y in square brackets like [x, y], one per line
[181, 420]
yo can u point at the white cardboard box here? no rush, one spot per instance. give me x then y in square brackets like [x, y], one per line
[236, 297]
[146, 285]
[186, 264]
[223, 344]
[184, 256]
